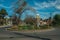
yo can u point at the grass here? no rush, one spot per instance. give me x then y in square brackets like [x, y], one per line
[29, 27]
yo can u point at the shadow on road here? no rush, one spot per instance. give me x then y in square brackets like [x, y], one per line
[33, 36]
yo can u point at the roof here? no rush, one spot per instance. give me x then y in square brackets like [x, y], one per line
[7, 17]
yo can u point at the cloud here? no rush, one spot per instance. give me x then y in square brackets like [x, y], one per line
[56, 13]
[45, 5]
[5, 6]
[49, 4]
[36, 8]
[58, 7]
[38, 5]
[42, 5]
[56, 4]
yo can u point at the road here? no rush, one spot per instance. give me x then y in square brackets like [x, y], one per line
[51, 35]
[6, 35]
[48, 35]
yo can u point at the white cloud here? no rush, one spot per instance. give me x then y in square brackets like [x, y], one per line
[5, 6]
[36, 8]
[42, 5]
[57, 6]
[38, 5]
[47, 4]
[43, 13]
[56, 13]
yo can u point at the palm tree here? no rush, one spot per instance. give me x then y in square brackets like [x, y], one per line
[20, 10]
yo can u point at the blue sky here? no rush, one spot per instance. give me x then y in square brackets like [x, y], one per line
[42, 7]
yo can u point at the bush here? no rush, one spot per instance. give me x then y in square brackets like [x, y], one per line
[30, 27]
[27, 27]
[44, 27]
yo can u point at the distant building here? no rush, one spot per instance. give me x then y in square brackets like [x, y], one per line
[43, 23]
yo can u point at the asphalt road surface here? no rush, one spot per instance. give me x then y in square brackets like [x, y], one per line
[6, 35]
[50, 35]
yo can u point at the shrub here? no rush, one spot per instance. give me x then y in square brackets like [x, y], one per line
[44, 27]
[25, 27]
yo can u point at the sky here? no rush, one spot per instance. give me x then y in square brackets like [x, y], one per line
[42, 7]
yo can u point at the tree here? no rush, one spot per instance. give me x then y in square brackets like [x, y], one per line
[56, 19]
[21, 8]
[3, 13]
[30, 20]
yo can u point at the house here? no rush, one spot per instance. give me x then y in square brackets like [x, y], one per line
[7, 20]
